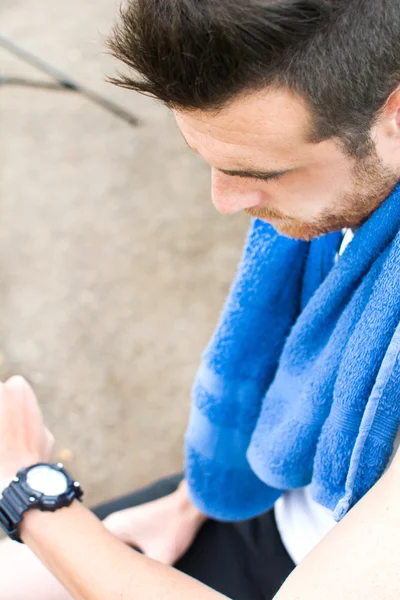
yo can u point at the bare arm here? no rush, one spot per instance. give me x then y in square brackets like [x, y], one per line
[164, 529]
[360, 558]
[93, 565]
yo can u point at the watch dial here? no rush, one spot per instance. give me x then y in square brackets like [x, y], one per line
[46, 480]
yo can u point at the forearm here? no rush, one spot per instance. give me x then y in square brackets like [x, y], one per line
[93, 565]
[360, 558]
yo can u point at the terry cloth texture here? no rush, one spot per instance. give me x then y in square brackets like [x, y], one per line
[300, 382]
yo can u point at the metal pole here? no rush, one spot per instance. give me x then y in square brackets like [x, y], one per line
[63, 80]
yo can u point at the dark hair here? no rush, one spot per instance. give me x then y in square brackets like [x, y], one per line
[342, 56]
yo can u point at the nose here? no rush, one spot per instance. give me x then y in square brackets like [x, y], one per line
[232, 194]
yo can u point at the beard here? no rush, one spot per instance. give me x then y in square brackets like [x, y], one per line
[372, 184]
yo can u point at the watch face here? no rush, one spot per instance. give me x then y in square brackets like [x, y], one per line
[46, 480]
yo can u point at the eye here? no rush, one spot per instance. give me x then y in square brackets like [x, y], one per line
[269, 178]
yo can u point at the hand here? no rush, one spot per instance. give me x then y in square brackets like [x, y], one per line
[24, 439]
[163, 529]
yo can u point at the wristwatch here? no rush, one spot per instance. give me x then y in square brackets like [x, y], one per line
[43, 486]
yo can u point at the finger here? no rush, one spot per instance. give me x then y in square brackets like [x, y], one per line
[48, 444]
[11, 430]
[20, 392]
[117, 525]
[112, 524]
[161, 555]
[22, 400]
[119, 528]
[50, 437]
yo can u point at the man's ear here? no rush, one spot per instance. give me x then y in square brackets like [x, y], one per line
[386, 132]
[390, 114]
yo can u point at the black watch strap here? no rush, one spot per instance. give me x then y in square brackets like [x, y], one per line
[14, 502]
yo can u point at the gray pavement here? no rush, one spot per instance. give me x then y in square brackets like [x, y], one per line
[113, 262]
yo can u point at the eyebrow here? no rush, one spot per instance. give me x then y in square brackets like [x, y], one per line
[247, 173]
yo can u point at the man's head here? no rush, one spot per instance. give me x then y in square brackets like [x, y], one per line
[294, 104]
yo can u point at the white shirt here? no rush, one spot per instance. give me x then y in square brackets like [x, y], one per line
[302, 522]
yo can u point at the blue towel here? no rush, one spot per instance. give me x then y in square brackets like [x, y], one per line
[300, 383]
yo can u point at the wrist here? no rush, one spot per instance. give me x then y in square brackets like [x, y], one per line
[36, 522]
[186, 506]
[39, 488]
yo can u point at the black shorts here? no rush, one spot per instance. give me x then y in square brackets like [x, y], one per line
[244, 561]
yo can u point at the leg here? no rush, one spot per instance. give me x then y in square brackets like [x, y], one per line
[243, 561]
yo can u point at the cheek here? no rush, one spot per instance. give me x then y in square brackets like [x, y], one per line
[307, 193]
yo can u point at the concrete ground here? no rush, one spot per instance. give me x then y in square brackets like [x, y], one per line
[113, 262]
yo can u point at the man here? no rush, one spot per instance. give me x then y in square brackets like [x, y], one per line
[296, 107]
